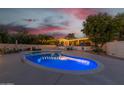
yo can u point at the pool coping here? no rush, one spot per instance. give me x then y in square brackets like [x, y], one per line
[81, 72]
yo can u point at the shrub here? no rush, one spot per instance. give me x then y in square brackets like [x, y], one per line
[98, 50]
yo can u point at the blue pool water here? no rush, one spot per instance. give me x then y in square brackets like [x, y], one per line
[62, 62]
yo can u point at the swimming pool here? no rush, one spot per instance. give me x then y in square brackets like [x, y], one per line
[62, 63]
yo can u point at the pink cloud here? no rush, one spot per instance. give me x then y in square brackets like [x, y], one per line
[45, 30]
[78, 12]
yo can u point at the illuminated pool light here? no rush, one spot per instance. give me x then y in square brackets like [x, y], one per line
[74, 59]
[63, 63]
[63, 58]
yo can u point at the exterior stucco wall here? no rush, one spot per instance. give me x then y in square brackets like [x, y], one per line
[115, 48]
[22, 46]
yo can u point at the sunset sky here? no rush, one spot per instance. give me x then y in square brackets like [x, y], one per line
[57, 22]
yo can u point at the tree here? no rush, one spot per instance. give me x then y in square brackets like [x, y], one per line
[0, 39]
[99, 29]
[3, 34]
[43, 39]
[119, 26]
[23, 37]
[70, 36]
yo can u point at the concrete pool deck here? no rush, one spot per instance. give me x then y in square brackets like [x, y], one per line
[14, 71]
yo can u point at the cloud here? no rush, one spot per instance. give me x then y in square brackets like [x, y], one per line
[46, 29]
[78, 12]
[11, 27]
[57, 22]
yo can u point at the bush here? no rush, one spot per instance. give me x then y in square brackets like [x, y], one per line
[69, 48]
[1, 51]
[97, 50]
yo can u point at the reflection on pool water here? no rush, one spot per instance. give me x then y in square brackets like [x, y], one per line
[62, 62]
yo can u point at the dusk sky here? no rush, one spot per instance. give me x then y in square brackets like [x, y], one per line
[57, 22]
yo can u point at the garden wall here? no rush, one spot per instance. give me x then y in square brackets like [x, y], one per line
[115, 48]
[22, 46]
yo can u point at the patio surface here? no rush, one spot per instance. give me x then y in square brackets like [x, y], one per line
[14, 71]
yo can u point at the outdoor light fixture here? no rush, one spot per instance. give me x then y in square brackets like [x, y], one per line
[74, 59]
[64, 58]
